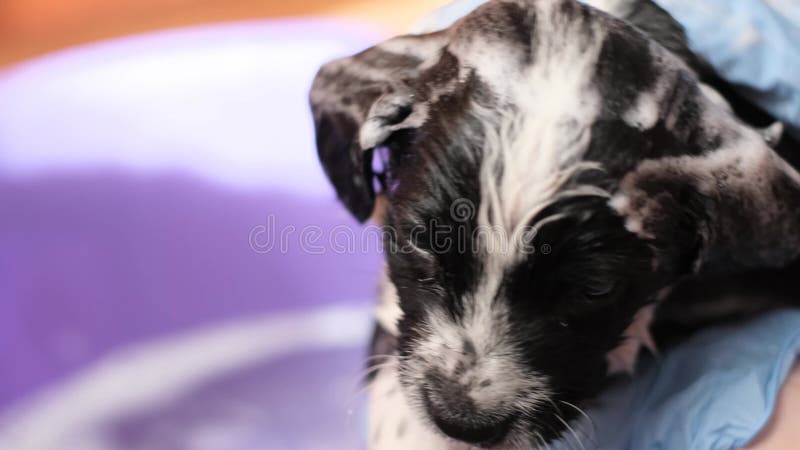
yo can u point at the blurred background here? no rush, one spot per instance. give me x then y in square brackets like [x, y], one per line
[175, 271]
[161, 285]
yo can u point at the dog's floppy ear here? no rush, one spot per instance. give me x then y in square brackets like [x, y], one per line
[734, 208]
[358, 104]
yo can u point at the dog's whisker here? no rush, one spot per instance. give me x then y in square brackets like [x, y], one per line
[369, 371]
[582, 412]
[384, 355]
[571, 430]
[545, 444]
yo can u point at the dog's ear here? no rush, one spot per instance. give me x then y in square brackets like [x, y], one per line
[737, 207]
[359, 103]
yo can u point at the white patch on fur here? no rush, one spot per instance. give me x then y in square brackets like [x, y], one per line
[538, 145]
[772, 134]
[617, 8]
[388, 312]
[422, 48]
[512, 386]
[621, 203]
[644, 114]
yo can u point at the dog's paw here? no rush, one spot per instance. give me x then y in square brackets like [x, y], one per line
[632, 207]
[623, 358]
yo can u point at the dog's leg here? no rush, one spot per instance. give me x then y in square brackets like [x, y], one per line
[726, 225]
[730, 210]
[697, 303]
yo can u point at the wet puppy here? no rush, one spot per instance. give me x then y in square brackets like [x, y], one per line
[545, 169]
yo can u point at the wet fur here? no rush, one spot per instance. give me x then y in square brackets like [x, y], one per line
[603, 143]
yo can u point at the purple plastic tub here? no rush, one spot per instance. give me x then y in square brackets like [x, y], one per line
[175, 272]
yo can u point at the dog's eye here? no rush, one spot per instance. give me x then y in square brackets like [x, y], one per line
[430, 284]
[598, 290]
[589, 297]
[417, 269]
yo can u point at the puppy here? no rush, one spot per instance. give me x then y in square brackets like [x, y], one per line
[546, 170]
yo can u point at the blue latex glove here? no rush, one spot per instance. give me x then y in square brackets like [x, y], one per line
[715, 391]
[754, 44]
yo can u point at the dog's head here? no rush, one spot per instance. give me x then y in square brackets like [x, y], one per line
[546, 169]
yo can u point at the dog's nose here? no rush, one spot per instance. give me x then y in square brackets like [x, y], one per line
[479, 433]
[456, 415]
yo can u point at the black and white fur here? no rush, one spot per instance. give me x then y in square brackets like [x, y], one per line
[574, 164]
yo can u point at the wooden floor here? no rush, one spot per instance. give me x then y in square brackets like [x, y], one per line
[33, 27]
